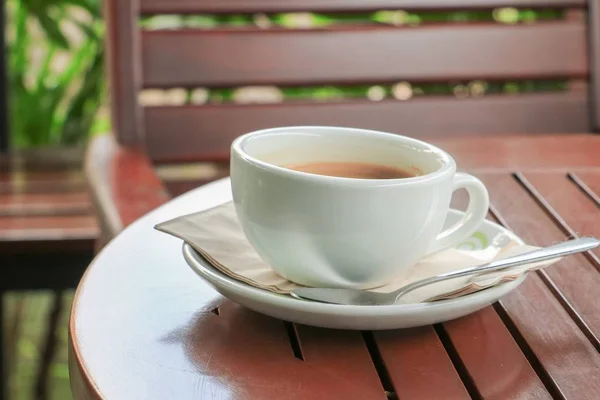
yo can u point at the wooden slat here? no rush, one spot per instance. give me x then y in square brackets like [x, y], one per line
[27, 204]
[555, 340]
[573, 211]
[181, 178]
[205, 132]
[42, 159]
[44, 205]
[589, 182]
[418, 365]
[548, 152]
[341, 356]
[54, 177]
[14, 187]
[17, 182]
[254, 6]
[73, 198]
[384, 54]
[252, 353]
[176, 188]
[44, 209]
[561, 347]
[494, 362]
[574, 276]
[492, 359]
[123, 69]
[16, 229]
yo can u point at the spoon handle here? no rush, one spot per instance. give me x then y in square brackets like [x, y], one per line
[544, 254]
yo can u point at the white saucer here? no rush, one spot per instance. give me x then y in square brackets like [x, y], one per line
[489, 237]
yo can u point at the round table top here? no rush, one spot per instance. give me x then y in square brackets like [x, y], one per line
[144, 326]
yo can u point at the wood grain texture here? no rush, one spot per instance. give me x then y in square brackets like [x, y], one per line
[553, 153]
[42, 159]
[20, 182]
[235, 352]
[492, 358]
[561, 345]
[25, 204]
[27, 177]
[47, 227]
[575, 213]
[246, 6]
[180, 178]
[258, 360]
[122, 183]
[45, 186]
[206, 132]
[385, 54]
[341, 356]
[534, 345]
[44, 206]
[415, 358]
[124, 69]
[176, 188]
[589, 183]
[574, 276]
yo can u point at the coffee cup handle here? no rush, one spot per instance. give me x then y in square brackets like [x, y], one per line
[476, 212]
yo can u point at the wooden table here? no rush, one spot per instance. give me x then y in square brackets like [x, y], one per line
[145, 327]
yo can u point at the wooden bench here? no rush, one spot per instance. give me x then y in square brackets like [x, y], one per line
[48, 231]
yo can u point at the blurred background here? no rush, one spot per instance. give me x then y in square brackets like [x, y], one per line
[57, 97]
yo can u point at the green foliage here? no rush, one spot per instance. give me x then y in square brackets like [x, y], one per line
[55, 70]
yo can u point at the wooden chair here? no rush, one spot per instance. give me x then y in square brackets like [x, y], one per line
[121, 169]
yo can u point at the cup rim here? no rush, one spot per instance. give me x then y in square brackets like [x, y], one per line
[449, 164]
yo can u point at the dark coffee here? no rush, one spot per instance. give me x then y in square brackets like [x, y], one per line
[352, 170]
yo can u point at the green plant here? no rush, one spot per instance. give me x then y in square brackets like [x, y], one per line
[55, 70]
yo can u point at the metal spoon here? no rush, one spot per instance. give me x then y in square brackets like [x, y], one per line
[367, 298]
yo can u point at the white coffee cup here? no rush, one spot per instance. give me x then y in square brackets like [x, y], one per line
[327, 231]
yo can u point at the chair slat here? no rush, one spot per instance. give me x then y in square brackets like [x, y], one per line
[253, 6]
[205, 132]
[49, 228]
[363, 54]
[50, 204]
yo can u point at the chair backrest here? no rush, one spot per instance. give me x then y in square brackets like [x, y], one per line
[398, 57]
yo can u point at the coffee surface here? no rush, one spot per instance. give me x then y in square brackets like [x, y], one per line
[352, 170]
